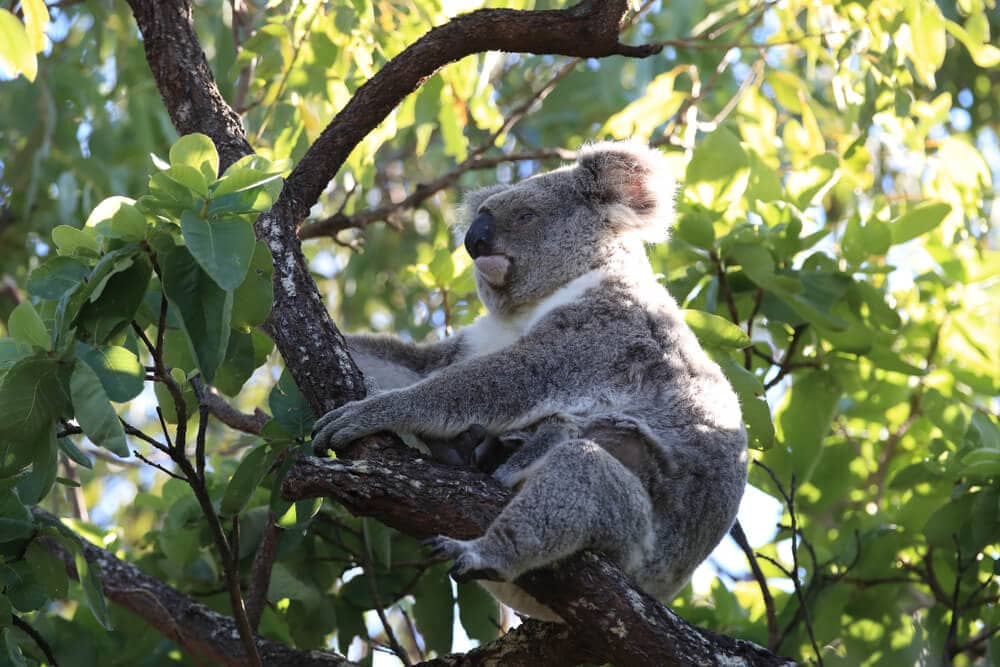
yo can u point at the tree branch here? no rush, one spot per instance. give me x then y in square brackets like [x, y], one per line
[195, 628]
[184, 78]
[611, 618]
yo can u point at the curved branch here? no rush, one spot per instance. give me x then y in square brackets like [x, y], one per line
[588, 29]
[610, 618]
[195, 628]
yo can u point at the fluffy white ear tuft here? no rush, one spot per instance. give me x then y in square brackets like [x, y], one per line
[634, 181]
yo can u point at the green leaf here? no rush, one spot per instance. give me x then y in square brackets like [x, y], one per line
[114, 299]
[119, 370]
[917, 221]
[10, 353]
[36, 20]
[196, 150]
[803, 419]
[452, 134]
[718, 172]
[948, 520]
[244, 482]
[807, 185]
[758, 264]
[434, 608]
[252, 300]
[74, 453]
[239, 364]
[117, 217]
[695, 227]
[37, 483]
[289, 407]
[861, 242]
[715, 331]
[94, 412]
[239, 180]
[93, 593]
[478, 611]
[56, 276]
[25, 326]
[982, 463]
[15, 519]
[927, 35]
[34, 392]
[74, 242]
[188, 178]
[49, 571]
[204, 308]
[16, 53]
[223, 247]
[983, 54]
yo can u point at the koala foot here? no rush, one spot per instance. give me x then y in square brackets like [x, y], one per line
[469, 563]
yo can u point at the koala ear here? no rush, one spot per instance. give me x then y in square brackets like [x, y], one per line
[633, 181]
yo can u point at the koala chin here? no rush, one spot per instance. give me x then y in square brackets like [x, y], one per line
[631, 441]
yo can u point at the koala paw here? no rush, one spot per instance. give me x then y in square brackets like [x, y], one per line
[469, 564]
[347, 423]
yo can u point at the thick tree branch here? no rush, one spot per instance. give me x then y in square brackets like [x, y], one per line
[623, 625]
[197, 630]
[528, 645]
[184, 78]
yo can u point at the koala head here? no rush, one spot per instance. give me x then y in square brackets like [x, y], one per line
[531, 238]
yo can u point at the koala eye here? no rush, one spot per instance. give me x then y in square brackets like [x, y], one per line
[527, 216]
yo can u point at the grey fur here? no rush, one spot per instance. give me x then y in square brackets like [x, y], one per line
[632, 439]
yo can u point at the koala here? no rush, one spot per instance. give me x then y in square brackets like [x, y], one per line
[631, 440]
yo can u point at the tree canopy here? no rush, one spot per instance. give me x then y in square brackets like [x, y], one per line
[190, 191]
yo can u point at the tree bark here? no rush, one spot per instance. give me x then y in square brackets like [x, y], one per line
[611, 619]
[198, 630]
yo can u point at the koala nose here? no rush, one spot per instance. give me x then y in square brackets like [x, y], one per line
[479, 238]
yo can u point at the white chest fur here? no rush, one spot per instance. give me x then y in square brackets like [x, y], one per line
[491, 332]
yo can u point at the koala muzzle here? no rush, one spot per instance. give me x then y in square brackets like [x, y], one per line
[479, 238]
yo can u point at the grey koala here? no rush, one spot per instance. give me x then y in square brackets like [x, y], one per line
[632, 441]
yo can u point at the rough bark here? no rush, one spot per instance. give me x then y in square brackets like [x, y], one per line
[198, 630]
[531, 644]
[184, 78]
[611, 618]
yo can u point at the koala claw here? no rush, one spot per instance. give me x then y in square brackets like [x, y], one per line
[468, 563]
[347, 423]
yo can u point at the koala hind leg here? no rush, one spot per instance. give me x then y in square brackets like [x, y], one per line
[577, 497]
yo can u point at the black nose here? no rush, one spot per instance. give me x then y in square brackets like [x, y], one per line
[479, 238]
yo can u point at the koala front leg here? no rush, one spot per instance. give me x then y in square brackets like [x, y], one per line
[579, 497]
[500, 392]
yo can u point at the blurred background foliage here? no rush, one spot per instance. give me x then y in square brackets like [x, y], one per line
[836, 243]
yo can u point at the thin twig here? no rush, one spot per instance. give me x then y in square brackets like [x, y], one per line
[260, 570]
[772, 619]
[157, 466]
[37, 637]
[137, 433]
[369, 574]
[793, 574]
